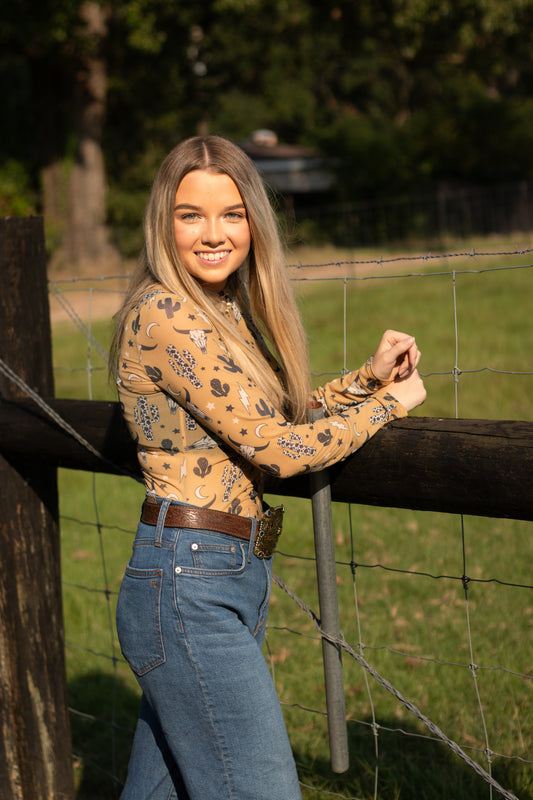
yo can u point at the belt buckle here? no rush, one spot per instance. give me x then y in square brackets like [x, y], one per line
[269, 532]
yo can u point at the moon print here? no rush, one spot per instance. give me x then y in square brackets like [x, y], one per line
[149, 328]
[239, 445]
[258, 430]
[198, 493]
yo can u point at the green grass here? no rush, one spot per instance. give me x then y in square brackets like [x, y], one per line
[411, 601]
[494, 331]
[80, 372]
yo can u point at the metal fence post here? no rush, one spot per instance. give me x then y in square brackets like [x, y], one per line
[329, 612]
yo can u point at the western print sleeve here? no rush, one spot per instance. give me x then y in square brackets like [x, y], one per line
[176, 351]
[352, 388]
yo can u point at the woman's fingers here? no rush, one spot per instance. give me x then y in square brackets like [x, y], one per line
[397, 354]
[412, 363]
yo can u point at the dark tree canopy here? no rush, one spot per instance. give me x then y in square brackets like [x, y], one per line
[401, 94]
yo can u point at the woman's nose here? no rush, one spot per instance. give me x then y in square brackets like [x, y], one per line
[213, 232]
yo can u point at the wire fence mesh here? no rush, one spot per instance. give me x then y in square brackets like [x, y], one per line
[436, 610]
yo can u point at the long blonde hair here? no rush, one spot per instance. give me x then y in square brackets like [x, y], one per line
[263, 290]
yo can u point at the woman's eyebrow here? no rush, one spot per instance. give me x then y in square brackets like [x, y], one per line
[198, 208]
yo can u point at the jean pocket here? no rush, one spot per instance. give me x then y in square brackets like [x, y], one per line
[209, 555]
[139, 619]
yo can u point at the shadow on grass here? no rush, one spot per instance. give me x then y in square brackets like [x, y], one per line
[408, 766]
[101, 750]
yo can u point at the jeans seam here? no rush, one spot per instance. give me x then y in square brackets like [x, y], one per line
[220, 743]
[172, 794]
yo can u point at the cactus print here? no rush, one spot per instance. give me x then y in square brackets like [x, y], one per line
[203, 429]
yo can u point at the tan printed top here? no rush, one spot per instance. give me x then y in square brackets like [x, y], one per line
[206, 434]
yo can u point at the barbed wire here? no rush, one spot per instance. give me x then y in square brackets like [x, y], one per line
[354, 651]
[410, 706]
[59, 420]
[472, 253]
[341, 642]
[77, 320]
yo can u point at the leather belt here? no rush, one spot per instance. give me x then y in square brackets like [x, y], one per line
[198, 518]
[268, 530]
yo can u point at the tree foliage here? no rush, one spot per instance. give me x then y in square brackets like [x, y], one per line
[401, 93]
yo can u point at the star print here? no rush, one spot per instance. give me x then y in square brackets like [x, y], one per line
[243, 432]
[130, 343]
[192, 316]
[210, 406]
[229, 409]
[166, 466]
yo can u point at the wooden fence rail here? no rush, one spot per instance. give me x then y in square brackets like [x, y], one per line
[465, 466]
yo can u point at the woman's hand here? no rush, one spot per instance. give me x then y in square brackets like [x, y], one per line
[397, 355]
[396, 359]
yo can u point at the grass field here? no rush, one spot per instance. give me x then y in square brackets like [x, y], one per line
[411, 602]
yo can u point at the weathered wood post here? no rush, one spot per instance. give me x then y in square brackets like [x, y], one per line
[35, 744]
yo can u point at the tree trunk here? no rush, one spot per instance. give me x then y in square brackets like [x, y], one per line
[75, 194]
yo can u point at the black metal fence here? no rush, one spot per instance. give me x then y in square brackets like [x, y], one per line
[450, 211]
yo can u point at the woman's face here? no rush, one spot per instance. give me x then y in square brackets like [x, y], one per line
[211, 228]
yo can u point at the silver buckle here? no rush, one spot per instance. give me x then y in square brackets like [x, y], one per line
[269, 532]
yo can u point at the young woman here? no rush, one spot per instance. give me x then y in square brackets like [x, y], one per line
[213, 378]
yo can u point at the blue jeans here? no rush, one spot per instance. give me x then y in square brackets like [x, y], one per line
[191, 617]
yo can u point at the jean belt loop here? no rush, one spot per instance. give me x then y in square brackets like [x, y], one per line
[251, 543]
[161, 521]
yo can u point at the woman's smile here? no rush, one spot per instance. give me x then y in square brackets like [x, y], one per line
[211, 256]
